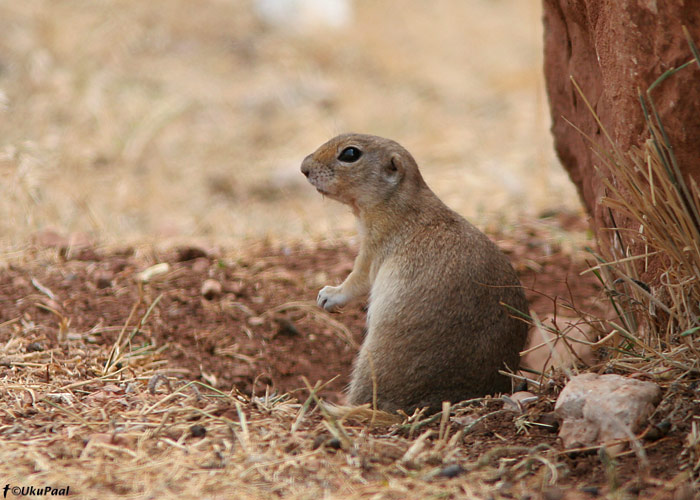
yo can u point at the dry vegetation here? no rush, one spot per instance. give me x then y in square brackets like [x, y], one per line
[658, 322]
[122, 388]
[91, 399]
[136, 122]
[133, 120]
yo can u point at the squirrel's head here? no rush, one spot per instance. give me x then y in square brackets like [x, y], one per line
[361, 170]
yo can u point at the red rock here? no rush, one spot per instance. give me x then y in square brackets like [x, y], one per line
[612, 49]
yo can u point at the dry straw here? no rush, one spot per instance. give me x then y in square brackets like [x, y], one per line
[114, 420]
[658, 323]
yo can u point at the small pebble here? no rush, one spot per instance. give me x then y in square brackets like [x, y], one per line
[591, 490]
[657, 431]
[553, 494]
[334, 443]
[318, 441]
[211, 289]
[151, 272]
[198, 431]
[35, 347]
[525, 398]
[286, 328]
[103, 279]
[550, 421]
[453, 470]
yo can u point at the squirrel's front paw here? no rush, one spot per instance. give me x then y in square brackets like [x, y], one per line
[331, 298]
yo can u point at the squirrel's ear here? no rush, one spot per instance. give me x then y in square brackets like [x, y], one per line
[394, 169]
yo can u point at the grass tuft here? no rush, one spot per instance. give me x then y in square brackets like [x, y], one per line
[652, 273]
[650, 267]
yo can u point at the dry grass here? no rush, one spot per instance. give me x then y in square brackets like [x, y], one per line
[136, 121]
[133, 119]
[659, 319]
[656, 327]
[116, 421]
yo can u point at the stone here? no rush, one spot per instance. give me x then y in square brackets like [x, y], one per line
[211, 289]
[35, 347]
[452, 470]
[518, 401]
[596, 409]
[545, 350]
[612, 50]
[197, 430]
[103, 278]
[525, 398]
[152, 272]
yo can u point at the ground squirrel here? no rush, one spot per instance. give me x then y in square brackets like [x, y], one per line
[437, 329]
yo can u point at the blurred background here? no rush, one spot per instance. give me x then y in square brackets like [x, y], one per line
[171, 119]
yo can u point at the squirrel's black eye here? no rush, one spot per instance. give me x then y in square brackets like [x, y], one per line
[350, 155]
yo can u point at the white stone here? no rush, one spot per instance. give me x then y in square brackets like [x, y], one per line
[596, 409]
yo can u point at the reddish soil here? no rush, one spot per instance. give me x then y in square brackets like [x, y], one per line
[255, 333]
[238, 337]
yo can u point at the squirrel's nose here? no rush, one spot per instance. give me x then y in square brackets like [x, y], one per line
[305, 169]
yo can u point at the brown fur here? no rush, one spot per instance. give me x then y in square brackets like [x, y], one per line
[437, 330]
